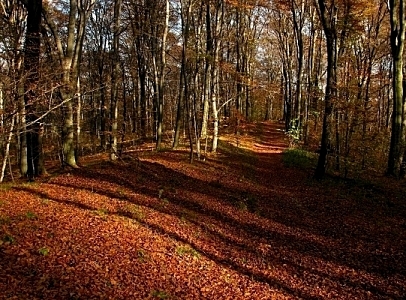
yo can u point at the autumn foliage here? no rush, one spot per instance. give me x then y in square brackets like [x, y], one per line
[239, 225]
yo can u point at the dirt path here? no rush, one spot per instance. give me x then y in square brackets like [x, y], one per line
[239, 225]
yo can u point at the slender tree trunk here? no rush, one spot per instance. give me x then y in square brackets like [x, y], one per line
[286, 98]
[103, 112]
[114, 81]
[161, 79]
[143, 99]
[7, 149]
[78, 147]
[328, 18]
[23, 137]
[124, 124]
[215, 112]
[180, 112]
[207, 73]
[215, 74]
[298, 22]
[239, 53]
[187, 7]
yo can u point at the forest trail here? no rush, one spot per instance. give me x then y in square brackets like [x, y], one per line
[239, 225]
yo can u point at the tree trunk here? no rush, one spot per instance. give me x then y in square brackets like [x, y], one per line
[186, 12]
[298, 22]
[161, 78]
[207, 73]
[328, 18]
[114, 81]
[70, 58]
[31, 66]
[397, 38]
[180, 112]
[7, 150]
[215, 74]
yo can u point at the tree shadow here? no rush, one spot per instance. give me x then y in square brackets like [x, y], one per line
[225, 261]
[265, 222]
[276, 208]
[293, 242]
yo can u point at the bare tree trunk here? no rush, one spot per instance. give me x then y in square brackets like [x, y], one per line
[70, 58]
[328, 16]
[69, 88]
[7, 149]
[22, 137]
[215, 73]
[114, 81]
[187, 7]
[31, 67]
[215, 112]
[207, 73]
[143, 96]
[161, 79]
[397, 21]
[298, 11]
[78, 151]
[180, 112]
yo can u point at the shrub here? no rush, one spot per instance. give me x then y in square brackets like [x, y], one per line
[299, 158]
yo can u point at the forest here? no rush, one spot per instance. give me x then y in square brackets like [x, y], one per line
[214, 149]
[84, 77]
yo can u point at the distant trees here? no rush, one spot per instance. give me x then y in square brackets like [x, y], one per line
[12, 110]
[113, 73]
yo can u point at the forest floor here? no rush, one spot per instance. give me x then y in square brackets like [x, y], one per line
[239, 225]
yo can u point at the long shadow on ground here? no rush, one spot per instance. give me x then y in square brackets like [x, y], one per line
[253, 225]
[255, 217]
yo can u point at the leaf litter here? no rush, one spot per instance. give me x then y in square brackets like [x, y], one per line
[239, 225]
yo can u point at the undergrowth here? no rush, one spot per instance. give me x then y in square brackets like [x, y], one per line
[299, 158]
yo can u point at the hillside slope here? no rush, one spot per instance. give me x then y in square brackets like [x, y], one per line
[239, 225]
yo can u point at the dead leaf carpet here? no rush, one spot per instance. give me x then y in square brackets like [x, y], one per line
[239, 225]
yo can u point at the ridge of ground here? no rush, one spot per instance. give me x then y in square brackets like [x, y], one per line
[238, 225]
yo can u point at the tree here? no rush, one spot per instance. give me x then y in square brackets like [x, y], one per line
[13, 27]
[31, 67]
[69, 55]
[397, 41]
[159, 59]
[215, 80]
[186, 16]
[328, 15]
[298, 15]
[114, 80]
[231, 60]
[96, 53]
[285, 45]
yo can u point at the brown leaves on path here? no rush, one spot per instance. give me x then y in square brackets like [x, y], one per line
[239, 225]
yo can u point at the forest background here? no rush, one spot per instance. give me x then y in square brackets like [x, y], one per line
[82, 76]
[234, 85]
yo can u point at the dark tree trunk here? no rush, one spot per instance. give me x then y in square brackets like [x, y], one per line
[31, 66]
[328, 19]
[397, 21]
